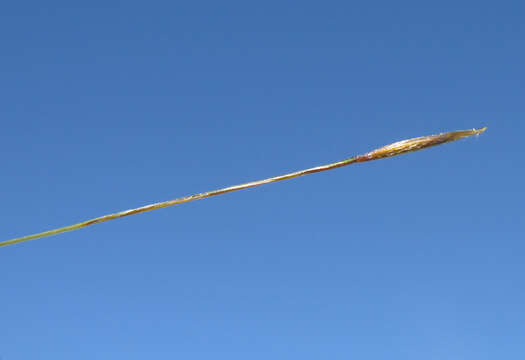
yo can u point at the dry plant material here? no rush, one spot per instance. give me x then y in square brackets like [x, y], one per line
[398, 148]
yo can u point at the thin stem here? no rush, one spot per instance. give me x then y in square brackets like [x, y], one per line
[394, 149]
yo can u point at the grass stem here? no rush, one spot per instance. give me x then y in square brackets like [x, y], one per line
[394, 149]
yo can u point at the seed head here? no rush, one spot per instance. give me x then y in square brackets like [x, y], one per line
[418, 143]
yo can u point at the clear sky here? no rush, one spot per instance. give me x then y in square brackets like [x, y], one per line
[110, 105]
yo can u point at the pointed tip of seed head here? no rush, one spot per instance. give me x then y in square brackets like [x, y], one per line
[456, 135]
[479, 131]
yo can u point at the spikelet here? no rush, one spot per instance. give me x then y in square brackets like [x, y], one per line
[419, 143]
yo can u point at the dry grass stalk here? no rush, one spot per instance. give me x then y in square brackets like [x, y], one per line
[394, 149]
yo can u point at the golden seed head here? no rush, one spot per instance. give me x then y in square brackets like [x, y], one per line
[419, 143]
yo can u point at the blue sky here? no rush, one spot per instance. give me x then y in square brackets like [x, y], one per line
[111, 105]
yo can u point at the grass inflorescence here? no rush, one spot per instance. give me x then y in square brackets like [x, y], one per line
[398, 148]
